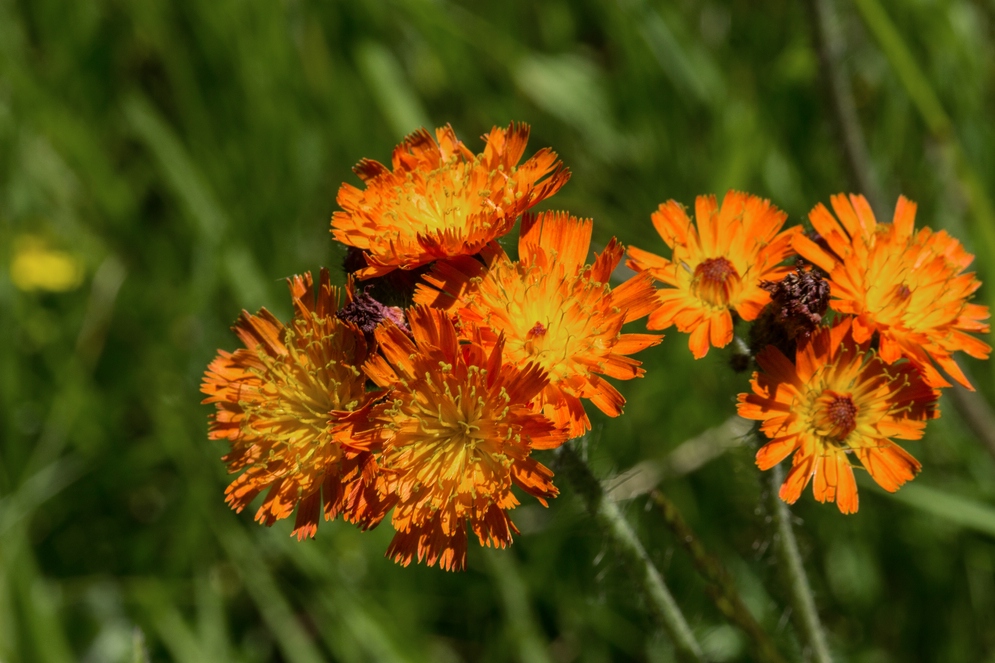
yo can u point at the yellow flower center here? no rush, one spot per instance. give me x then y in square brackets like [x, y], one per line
[835, 415]
[715, 281]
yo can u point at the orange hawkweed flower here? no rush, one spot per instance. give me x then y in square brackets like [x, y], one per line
[717, 265]
[455, 430]
[907, 286]
[553, 309]
[839, 399]
[440, 200]
[276, 400]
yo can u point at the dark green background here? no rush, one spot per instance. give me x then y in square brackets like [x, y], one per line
[189, 154]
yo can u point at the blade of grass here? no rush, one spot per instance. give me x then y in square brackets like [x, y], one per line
[211, 222]
[294, 643]
[952, 509]
[522, 627]
[386, 79]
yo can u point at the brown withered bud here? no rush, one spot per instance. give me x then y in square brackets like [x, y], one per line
[802, 299]
[798, 303]
[367, 313]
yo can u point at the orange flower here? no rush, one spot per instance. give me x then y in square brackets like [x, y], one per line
[455, 430]
[276, 400]
[909, 287]
[838, 399]
[555, 310]
[716, 266]
[441, 200]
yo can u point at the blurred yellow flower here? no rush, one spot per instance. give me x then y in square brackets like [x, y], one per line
[37, 266]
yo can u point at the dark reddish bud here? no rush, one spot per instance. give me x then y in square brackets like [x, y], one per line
[801, 300]
[798, 303]
[367, 313]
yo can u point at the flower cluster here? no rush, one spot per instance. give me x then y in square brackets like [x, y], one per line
[430, 412]
[421, 391]
[850, 342]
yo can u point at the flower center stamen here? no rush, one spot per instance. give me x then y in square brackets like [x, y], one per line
[714, 281]
[836, 416]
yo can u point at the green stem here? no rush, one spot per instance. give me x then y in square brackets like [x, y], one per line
[721, 588]
[793, 572]
[631, 552]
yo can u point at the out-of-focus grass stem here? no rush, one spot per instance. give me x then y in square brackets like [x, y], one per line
[631, 553]
[793, 572]
[721, 588]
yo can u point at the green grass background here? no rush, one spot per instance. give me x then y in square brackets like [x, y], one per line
[189, 153]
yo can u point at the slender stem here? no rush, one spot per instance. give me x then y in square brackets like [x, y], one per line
[805, 614]
[721, 588]
[631, 552]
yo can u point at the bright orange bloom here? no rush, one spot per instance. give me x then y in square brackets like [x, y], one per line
[907, 286]
[441, 200]
[555, 310]
[717, 265]
[839, 399]
[455, 429]
[276, 400]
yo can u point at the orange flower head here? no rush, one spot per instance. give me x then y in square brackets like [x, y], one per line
[838, 400]
[908, 286]
[440, 200]
[276, 401]
[717, 265]
[553, 309]
[455, 431]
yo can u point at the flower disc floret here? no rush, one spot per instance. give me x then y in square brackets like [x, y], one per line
[839, 400]
[909, 287]
[440, 200]
[554, 309]
[717, 265]
[454, 430]
[276, 400]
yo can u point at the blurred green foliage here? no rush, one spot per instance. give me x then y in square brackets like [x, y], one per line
[187, 155]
